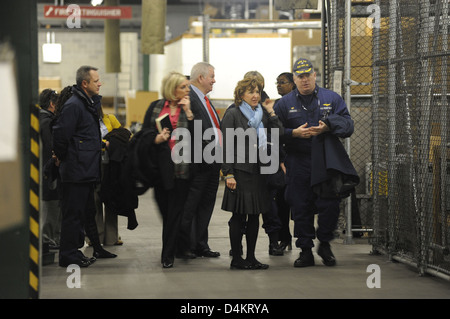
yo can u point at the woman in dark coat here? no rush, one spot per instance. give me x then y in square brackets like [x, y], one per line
[246, 192]
[171, 188]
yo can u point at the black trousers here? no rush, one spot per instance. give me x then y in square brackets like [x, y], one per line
[272, 222]
[198, 208]
[284, 213]
[171, 203]
[77, 204]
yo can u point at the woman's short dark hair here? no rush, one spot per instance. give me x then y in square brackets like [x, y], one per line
[47, 96]
[288, 76]
[244, 85]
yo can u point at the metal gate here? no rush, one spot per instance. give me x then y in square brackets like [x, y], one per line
[393, 58]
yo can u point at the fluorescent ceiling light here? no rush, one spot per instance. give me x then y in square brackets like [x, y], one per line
[96, 2]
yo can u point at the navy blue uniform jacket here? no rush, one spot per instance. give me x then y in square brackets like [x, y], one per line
[76, 139]
[327, 152]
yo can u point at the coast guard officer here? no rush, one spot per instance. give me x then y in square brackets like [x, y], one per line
[306, 113]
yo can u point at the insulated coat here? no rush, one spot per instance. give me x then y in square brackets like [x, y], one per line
[76, 139]
[236, 120]
[46, 117]
[324, 105]
[331, 167]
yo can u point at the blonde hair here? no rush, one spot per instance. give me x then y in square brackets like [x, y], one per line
[169, 84]
[255, 75]
[246, 84]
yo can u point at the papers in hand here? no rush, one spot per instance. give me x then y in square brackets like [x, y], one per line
[162, 122]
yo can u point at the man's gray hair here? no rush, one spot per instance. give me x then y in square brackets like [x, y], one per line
[83, 74]
[201, 68]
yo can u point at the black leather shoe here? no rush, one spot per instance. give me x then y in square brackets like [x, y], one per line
[186, 255]
[286, 245]
[208, 253]
[89, 259]
[305, 259]
[275, 250]
[167, 263]
[104, 254]
[241, 264]
[83, 263]
[325, 252]
[257, 265]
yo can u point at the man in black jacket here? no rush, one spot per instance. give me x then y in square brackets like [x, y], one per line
[77, 144]
[50, 211]
[205, 176]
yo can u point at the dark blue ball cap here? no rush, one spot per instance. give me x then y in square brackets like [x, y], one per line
[302, 66]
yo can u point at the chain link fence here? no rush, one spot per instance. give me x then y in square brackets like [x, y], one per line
[357, 213]
[399, 100]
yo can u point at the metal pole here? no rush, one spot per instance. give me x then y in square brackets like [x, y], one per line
[325, 50]
[206, 31]
[444, 119]
[270, 9]
[424, 102]
[348, 34]
[392, 88]
[407, 122]
[246, 10]
[375, 135]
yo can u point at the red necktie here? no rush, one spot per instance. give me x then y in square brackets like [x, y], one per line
[214, 118]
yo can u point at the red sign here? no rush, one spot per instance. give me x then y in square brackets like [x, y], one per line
[86, 12]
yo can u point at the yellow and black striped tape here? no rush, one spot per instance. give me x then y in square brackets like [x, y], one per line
[34, 203]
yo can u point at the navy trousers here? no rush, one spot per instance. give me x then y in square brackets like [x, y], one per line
[305, 204]
[77, 204]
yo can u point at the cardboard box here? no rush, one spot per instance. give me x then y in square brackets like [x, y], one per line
[53, 83]
[362, 75]
[361, 51]
[262, 12]
[306, 37]
[137, 103]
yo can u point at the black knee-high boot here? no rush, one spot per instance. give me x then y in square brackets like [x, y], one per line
[252, 236]
[235, 230]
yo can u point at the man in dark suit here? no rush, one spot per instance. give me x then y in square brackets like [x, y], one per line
[193, 238]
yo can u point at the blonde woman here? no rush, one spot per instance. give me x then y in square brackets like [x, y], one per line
[173, 182]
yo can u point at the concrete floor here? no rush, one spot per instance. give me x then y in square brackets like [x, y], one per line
[137, 273]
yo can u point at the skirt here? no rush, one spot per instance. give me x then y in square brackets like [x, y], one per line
[251, 195]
